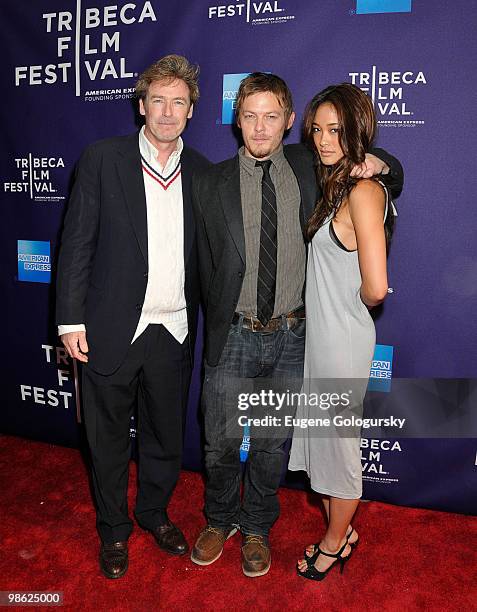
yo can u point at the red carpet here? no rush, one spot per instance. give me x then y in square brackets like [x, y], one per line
[407, 559]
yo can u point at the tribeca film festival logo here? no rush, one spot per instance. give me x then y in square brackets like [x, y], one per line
[34, 262]
[256, 13]
[54, 355]
[81, 44]
[387, 91]
[381, 369]
[35, 176]
[364, 7]
[372, 451]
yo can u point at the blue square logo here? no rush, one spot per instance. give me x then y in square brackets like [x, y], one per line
[231, 84]
[245, 446]
[381, 369]
[34, 263]
[364, 7]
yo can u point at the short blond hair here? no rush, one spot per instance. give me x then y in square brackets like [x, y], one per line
[170, 68]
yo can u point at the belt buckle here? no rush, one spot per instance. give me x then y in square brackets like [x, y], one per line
[253, 320]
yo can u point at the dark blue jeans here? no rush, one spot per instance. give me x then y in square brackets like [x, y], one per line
[277, 358]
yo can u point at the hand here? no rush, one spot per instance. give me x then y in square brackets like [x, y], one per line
[76, 345]
[371, 166]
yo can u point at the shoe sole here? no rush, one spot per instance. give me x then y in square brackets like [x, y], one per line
[256, 574]
[199, 562]
[170, 552]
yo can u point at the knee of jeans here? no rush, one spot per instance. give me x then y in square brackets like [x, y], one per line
[266, 455]
[216, 455]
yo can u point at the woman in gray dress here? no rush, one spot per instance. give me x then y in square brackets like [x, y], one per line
[348, 235]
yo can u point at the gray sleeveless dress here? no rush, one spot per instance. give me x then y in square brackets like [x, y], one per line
[339, 347]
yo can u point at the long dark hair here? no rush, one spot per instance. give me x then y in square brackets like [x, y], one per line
[357, 129]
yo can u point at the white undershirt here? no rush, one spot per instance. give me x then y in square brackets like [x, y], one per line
[164, 301]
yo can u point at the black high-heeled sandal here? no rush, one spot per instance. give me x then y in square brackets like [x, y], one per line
[310, 559]
[313, 574]
[356, 542]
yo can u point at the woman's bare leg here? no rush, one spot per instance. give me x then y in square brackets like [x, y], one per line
[326, 504]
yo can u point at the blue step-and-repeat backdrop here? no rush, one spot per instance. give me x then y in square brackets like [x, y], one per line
[67, 79]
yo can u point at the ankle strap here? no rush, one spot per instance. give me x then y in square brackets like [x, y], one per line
[336, 555]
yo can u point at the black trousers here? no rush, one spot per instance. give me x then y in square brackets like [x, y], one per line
[155, 376]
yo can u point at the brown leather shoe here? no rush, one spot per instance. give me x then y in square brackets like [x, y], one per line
[210, 543]
[113, 559]
[256, 557]
[170, 539]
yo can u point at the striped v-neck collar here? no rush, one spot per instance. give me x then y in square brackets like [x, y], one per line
[164, 181]
[168, 174]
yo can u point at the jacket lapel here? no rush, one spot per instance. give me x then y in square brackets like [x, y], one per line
[308, 189]
[229, 193]
[132, 181]
[189, 222]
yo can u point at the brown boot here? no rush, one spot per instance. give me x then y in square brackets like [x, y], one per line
[256, 557]
[210, 544]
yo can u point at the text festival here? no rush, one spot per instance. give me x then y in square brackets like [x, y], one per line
[35, 175]
[51, 397]
[93, 44]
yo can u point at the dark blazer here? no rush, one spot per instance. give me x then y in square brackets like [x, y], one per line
[220, 233]
[103, 267]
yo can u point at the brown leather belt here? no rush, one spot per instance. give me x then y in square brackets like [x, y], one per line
[284, 321]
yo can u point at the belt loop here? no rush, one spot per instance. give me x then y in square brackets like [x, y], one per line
[240, 321]
[284, 322]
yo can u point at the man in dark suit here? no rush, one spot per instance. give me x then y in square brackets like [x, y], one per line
[250, 213]
[127, 303]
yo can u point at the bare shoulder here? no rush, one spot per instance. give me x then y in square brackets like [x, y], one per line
[367, 195]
